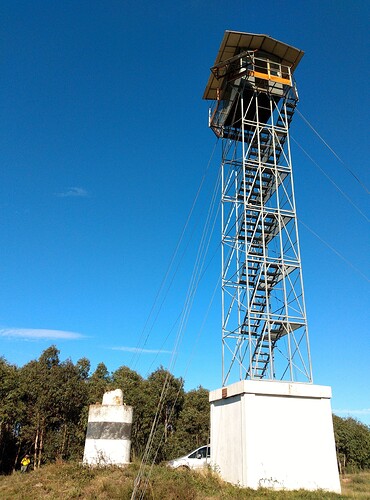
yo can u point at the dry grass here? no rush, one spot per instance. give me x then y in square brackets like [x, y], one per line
[71, 481]
[356, 485]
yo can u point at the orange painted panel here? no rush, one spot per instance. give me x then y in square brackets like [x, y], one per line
[273, 78]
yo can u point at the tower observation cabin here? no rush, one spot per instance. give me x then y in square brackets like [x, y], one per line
[254, 96]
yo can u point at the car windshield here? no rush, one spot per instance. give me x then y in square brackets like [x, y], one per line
[203, 452]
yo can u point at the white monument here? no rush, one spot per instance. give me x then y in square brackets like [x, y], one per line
[108, 435]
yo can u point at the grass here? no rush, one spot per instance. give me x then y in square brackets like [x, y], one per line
[72, 481]
[356, 485]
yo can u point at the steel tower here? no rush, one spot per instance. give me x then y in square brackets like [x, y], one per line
[264, 328]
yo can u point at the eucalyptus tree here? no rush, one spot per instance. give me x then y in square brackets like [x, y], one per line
[40, 383]
[55, 394]
[352, 440]
[164, 398]
[132, 386]
[99, 383]
[11, 411]
[65, 438]
[192, 429]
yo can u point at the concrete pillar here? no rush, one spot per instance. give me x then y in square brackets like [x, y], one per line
[108, 435]
[276, 435]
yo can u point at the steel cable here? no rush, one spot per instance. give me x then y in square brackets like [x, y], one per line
[143, 341]
[141, 485]
[333, 152]
[333, 182]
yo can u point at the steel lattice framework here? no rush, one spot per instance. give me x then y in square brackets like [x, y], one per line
[264, 327]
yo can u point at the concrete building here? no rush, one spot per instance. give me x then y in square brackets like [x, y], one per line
[274, 435]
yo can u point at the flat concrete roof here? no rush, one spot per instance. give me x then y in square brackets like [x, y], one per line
[271, 388]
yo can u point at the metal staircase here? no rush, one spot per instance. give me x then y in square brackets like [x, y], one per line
[263, 308]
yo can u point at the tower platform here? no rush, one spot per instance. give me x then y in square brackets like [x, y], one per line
[275, 435]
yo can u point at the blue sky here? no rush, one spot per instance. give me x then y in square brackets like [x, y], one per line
[104, 145]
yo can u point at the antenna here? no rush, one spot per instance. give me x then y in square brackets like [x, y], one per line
[264, 325]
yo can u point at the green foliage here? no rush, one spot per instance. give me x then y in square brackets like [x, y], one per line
[44, 410]
[45, 403]
[192, 428]
[50, 357]
[83, 367]
[352, 440]
[98, 383]
[164, 397]
[11, 412]
[132, 386]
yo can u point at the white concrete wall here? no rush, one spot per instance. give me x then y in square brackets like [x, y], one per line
[113, 397]
[110, 413]
[229, 443]
[102, 452]
[274, 434]
[108, 436]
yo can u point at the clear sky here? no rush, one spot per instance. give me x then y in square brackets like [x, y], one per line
[104, 145]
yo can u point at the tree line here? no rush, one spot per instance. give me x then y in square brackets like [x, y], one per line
[44, 410]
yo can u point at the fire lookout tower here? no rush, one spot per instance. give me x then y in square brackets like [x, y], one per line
[264, 328]
[270, 425]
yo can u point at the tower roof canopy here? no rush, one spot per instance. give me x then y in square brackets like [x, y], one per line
[235, 42]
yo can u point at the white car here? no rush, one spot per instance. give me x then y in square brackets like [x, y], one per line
[197, 459]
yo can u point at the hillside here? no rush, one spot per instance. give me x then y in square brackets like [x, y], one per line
[44, 407]
[70, 481]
